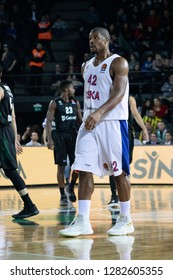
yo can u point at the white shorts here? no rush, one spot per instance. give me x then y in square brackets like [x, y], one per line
[104, 150]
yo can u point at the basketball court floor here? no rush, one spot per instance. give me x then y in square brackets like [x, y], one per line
[37, 238]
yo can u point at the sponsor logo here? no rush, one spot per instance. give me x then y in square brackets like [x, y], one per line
[92, 95]
[104, 66]
[105, 165]
[152, 168]
[68, 118]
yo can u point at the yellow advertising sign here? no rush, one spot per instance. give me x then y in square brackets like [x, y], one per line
[151, 165]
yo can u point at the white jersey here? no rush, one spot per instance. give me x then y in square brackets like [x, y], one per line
[97, 90]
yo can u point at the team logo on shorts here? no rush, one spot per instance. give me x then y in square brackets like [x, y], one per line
[105, 165]
[104, 66]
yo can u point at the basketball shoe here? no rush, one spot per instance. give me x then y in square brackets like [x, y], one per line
[79, 226]
[123, 226]
[26, 213]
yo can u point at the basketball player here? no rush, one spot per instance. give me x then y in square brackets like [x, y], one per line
[9, 146]
[102, 142]
[133, 114]
[66, 113]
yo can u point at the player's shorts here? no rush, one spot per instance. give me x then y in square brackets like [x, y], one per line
[64, 146]
[104, 150]
[7, 148]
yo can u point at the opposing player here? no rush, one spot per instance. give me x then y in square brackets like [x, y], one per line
[9, 146]
[65, 111]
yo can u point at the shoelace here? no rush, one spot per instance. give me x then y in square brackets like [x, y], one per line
[120, 222]
[76, 221]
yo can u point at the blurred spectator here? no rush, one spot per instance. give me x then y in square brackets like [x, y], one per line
[120, 17]
[147, 63]
[150, 130]
[45, 34]
[145, 108]
[153, 140]
[33, 15]
[157, 63]
[26, 135]
[73, 78]
[166, 64]
[166, 24]
[34, 139]
[152, 20]
[168, 138]
[8, 61]
[152, 118]
[161, 131]
[133, 61]
[167, 88]
[138, 33]
[11, 31]
[71, 61]
[161, 109]
[57, 77]
[113, 44]
[59, 26]
[36, 64]
[91, 19]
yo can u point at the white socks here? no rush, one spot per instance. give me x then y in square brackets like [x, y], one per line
[125, 208]
[84, 208]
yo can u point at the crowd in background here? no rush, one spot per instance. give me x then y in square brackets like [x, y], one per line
[140, 31]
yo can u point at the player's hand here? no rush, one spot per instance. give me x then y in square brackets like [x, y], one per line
[19, 149]
[92, 120]
[145, 135]
[50, 144]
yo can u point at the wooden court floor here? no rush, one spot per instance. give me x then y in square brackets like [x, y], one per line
[37, 238]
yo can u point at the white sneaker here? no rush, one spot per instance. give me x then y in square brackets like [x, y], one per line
[79, 226]
[79, 247]
[123, 226]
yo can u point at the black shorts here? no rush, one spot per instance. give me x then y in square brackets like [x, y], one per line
[7, 148]
[64, 143]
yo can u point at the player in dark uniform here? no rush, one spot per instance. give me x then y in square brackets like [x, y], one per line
[133, 114]
[66, 113]
[9, 146]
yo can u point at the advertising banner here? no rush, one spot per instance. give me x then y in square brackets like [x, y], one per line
[151, 165]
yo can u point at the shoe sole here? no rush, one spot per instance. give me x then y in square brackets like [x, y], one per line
[114, 206]
[117, 234]
[26, 216]
[75, 234]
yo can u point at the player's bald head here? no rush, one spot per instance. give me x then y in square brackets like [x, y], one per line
[102, 31]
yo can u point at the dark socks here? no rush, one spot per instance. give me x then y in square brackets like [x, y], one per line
[71, 185]
[112, 185]
[62, 192]
[27, 201]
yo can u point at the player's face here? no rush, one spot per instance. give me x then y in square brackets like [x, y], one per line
[97, 42]
[71, 91]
